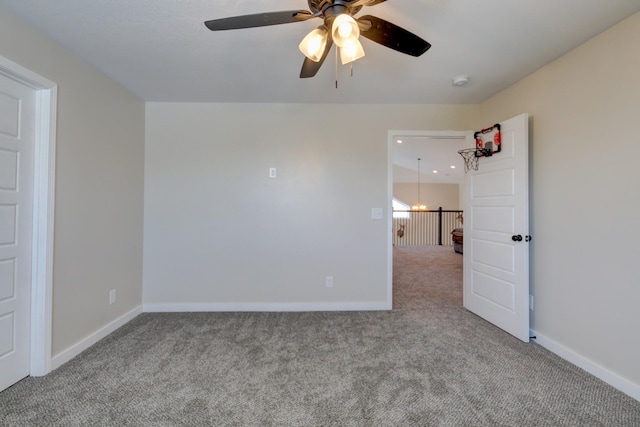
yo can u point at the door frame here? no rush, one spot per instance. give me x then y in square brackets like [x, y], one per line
[43, 212]
[393, 135]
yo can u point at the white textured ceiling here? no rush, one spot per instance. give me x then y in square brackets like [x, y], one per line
[161, 51]
[437, 156]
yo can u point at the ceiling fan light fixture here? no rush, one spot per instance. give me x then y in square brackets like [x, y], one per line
[344, 30]
[351, 52]
[314, 43]
[340, 28]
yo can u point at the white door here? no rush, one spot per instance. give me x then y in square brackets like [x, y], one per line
[17, 136]
[496, 214]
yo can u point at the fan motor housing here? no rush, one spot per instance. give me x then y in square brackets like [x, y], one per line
[322, 5]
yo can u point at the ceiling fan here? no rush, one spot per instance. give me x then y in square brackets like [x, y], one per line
[339, 28]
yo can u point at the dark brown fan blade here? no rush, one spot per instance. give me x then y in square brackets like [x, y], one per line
[392, 36]
[258, 20]
[310, 68]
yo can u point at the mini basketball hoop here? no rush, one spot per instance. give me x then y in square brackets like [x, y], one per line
[483, 148]
[471, 156]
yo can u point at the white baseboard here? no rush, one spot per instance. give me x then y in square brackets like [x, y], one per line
[611, 378]
[269, 307]
[68, 354]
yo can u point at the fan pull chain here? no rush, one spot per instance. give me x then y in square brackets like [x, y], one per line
[351, 69]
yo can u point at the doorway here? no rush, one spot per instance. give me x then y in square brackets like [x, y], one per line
[424, 168]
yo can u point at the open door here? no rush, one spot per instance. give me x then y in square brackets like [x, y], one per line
[496, 233]
[17, 142]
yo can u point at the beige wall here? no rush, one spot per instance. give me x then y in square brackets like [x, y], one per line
[585, 197]
[219, 231]
[446, 196]
[99, 186]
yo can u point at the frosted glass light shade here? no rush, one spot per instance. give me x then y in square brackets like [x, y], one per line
[351, 52]
[313, 45]
[344, 30]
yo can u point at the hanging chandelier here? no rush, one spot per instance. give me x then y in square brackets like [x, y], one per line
[419, 206]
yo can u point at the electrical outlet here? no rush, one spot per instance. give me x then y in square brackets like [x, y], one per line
[530, 302]
[112, 296]
[273, 173]
[328, 281]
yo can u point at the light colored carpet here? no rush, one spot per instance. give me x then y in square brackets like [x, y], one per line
[428, 362]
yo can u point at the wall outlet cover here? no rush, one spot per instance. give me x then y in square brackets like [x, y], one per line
[328, 281]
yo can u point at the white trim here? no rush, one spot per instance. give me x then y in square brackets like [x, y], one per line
[623, 384]
[390, 140]
[43, 212]
[68, 354]
[263, 307]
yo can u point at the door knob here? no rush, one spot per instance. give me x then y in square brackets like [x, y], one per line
[516, 238]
